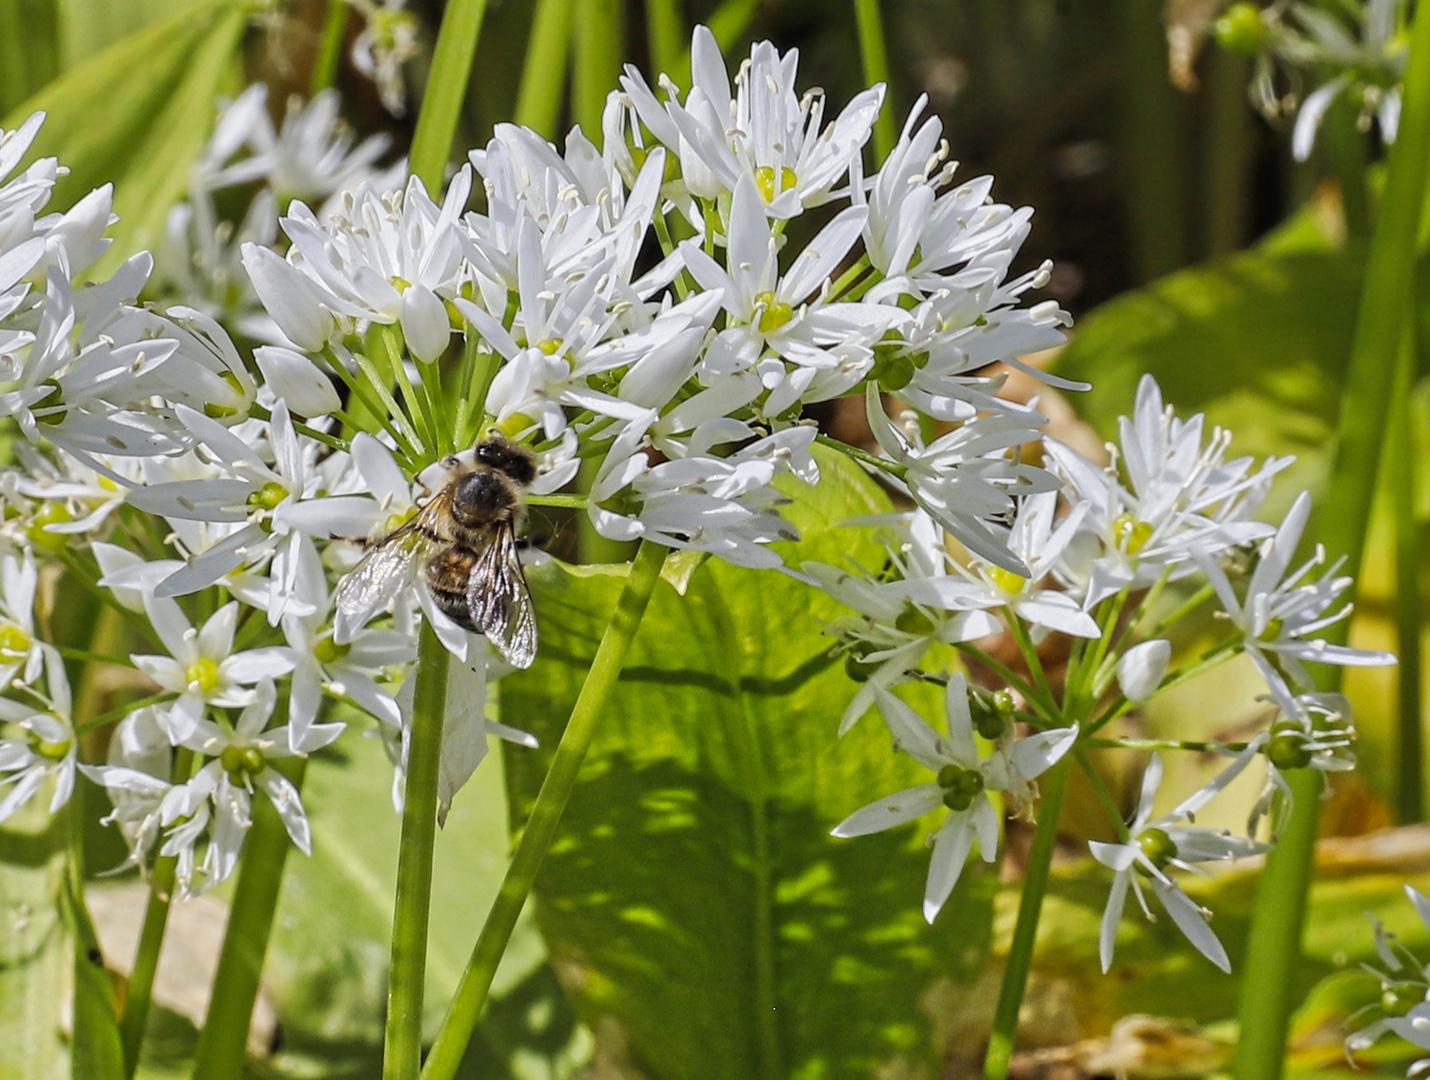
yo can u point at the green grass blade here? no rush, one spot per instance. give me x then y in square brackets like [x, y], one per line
[446, 89]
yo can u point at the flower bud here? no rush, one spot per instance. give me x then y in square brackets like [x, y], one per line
[297, 380]
[1142, 667]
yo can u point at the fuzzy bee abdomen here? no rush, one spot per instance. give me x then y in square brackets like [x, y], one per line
[447, 576]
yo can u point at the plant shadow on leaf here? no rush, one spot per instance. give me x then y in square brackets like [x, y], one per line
[695, 905]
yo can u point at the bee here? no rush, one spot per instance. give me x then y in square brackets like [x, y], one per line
[464, 541]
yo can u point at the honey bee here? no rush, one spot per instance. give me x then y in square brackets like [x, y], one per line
[464, 540]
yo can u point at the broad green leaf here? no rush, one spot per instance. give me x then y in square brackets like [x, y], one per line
[35, 958]
[694, 901]
[137, 115]
[94, 1043]
[1258, 341]
[29, 48]
[87, 27]
[329, 954]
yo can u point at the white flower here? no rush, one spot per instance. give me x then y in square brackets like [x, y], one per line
[341, 669]
[764, 132]
[963, 780]
[136, 779]
[1037, 545]
[1372, 69]
[1154, 845]
[238, 765]
[202, 667]
[1280, 613]
[380, 258]
[897, 621]
[21, 652]
[783, 317]
[724, 506]
[965, 479]
[1180, 494]
[46, 746]
[1141, 669]
[387, 42]
[1319, 735]
[310, 157]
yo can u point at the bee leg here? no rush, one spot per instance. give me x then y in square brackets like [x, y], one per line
[360, 541]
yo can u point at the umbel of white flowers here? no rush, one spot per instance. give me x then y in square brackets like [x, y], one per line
[396, 327]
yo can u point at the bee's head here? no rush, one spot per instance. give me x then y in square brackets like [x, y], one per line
[516, 462]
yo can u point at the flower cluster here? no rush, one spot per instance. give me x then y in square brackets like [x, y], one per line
[1404, 1005]
[1100, 558]
[654, 315]
[1362, 48]
[326, 347]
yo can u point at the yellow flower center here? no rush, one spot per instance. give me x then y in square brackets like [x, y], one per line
[775, 313]
[218, 412]
[765, 179]
[268, 496]
[1006, 580]
[50, 751]
[242, 762]
[13, 640]
[203, 672]
[328, 651]
[1131, 535]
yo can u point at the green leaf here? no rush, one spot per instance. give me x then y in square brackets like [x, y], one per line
[29, 48]
[95, 1049]
[1258, 341]
[35, 958]
[138, 115]
[328, 957]
[695, 903]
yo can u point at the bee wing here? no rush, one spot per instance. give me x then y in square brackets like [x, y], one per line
[500, 601]
[384, 572]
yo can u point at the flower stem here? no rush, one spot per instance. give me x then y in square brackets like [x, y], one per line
[876, 70]
[1025, 933]
[402, 1040]
[330, 48]
[222, 1042]
[1399, 469]
[151, 938]
[446, 88]
[863, 456]
[600, 28]
[540, 829]
[1386, 311]
[665, 30]
[543, 75]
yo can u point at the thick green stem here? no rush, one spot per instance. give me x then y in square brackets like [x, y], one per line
[402, 1042]
[540, 829]
[151, 939]
[543, 75]
[330, 48]
[1386, 310]
[146, 963]
[1152, 118]
[1273, 945]
[665, 31]
[1226, 151]
[446, 89]
[1344, 150]
[600, 30]
[1025, 933]
[876, 70]
[224, 1039]
[1399, 479]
